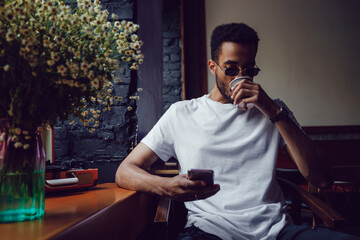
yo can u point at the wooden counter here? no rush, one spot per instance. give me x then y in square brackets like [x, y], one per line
[102, 212]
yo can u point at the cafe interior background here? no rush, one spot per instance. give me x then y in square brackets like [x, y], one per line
[308, 55]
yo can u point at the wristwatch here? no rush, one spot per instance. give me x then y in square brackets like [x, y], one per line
[281, 115]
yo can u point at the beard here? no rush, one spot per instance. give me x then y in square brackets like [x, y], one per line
[224, 89]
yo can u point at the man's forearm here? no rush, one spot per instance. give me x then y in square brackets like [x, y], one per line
[132, 177]
[305, 153]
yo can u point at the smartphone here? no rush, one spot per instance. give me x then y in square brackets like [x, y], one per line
[206, 175]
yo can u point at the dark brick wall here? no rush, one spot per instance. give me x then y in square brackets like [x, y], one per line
[172, 85]
[117, 134]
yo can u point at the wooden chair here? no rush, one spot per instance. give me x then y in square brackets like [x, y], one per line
[170, 216]
[343, 196]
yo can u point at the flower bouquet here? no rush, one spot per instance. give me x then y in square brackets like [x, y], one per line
[56, 59]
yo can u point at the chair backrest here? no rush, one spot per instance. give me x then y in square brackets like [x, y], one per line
[341, 145]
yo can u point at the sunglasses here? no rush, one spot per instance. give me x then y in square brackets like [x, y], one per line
[234, 71]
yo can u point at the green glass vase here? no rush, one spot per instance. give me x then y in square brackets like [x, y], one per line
[22, 179]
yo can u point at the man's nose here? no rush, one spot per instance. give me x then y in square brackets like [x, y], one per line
[240, 74]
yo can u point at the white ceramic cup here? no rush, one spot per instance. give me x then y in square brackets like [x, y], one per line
[235, 81]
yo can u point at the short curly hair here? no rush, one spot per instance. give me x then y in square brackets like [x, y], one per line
[232, 32]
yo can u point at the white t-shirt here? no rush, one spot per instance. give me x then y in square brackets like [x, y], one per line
[241, 147]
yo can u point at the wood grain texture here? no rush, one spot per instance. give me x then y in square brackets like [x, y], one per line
[102, 212]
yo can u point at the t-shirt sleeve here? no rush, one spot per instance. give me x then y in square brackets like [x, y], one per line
[291, 116]
[160, 139]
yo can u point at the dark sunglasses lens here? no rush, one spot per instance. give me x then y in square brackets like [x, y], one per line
[251, 71]
[232, 71]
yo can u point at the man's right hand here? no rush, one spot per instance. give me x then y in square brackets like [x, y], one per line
[131, 174]
[182, 189]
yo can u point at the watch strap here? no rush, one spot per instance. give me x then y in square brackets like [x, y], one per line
[281, 115]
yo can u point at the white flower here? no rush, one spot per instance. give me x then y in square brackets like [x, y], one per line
[53, 31]
[61, 69]
[84, 66]
[53, 10]
[58, 39]
[14, 138]
[52, 45]
[117, 98]
[18, 145]
[53, 18]
[134, 97]
[134, 38]
[2, 137]
[55, 56]
[74, 22]
[46, 43]
[50, 62]
[6, 67]
[17, 131]
[10, 36]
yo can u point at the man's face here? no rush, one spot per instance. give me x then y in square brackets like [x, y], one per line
[232, 55]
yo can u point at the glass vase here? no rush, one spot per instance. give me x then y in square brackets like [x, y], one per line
[22, 178]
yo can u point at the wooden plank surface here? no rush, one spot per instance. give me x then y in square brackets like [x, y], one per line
[69, 212]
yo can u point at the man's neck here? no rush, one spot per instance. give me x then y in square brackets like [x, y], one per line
[215, 95]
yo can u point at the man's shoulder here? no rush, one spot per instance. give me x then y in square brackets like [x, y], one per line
[187, 104]
[279, 102]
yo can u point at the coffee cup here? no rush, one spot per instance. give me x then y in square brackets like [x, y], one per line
[232, 84]
[238, 79]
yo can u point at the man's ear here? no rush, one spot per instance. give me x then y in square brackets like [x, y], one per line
[212, 67]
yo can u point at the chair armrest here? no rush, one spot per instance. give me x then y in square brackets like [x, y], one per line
[163, 211]
[329, 216]
[164, 172]
[164, 206]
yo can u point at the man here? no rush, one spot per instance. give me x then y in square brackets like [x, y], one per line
[239, 143]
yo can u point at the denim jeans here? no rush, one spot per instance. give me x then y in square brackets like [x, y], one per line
[303, 232]
[289, 232]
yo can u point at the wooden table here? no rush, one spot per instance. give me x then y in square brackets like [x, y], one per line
[102, 212]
